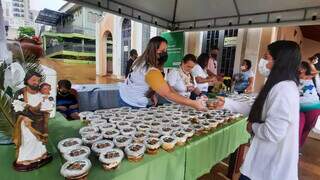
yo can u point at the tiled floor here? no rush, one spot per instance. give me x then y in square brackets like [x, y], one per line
[309, 165]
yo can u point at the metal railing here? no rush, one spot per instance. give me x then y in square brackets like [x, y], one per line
[76, 29]
[77, 47]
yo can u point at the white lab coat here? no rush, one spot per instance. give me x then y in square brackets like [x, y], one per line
[274, 150]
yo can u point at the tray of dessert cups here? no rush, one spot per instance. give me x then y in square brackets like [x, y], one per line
[88, 130]
[90, 138]
[101, 146]
[80, 152]
[76, 169]
[122, 141]
[110, 133]
[152, 145]
[69, 143]
[135, 151]
[168, 142]
[139, 137]
[111, 159]
[181, 137]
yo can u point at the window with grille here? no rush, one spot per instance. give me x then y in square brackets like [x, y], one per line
[227, 53]
[125, 44]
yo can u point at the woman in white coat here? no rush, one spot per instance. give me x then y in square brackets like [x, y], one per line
[274, 117]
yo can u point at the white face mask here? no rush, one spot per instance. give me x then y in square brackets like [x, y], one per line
[263, 67]
[315, 61]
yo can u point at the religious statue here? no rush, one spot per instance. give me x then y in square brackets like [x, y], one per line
[32, 105]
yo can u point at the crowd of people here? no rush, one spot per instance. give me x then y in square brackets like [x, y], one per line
[285, 110]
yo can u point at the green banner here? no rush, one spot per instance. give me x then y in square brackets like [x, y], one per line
[175, 48]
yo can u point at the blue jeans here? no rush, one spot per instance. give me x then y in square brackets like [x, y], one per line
[121, 103]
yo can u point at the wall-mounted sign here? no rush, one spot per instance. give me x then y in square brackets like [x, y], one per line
[230, 41]
[175, 48]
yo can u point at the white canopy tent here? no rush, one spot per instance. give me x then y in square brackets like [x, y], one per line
[190, 15]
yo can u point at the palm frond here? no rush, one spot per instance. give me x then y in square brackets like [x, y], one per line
[6, 114]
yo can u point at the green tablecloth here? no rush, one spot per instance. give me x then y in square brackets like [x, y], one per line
[187, 162]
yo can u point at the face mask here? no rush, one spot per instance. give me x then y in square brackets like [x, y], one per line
[315, 61]
[162, 58]
[263, 67]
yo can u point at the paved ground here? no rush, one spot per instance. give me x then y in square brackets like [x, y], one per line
[78, 73]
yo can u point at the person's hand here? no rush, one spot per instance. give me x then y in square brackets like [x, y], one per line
[199, 105]
[213, 80]
[190, 88]
[219, 103]
[249, 127]
[154, 100]
[75, 106]
[62, 108]
[248, 90]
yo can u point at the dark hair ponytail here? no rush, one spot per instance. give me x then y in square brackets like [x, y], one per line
[287, 57]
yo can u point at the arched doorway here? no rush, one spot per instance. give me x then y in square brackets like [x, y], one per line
[125, 44]
[108, 50]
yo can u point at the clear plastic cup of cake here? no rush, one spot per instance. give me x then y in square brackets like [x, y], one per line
[181, 137]
[88, 130]
[155, 125]
[110, 133]
[107, 126]
[153, 133]
[111, 159]
[101, 146]
[143, 127]
[91, 138]
[168, 143]
[166, 130]
[152, 145]
[175, 126]
[189, 131]
[185, 123]
[139, 137]
[198, 129]
[128, 131]
[69, 143]
[122, 141]
[76, 169]
[80, 152]
[123, 124]
[135, 151]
